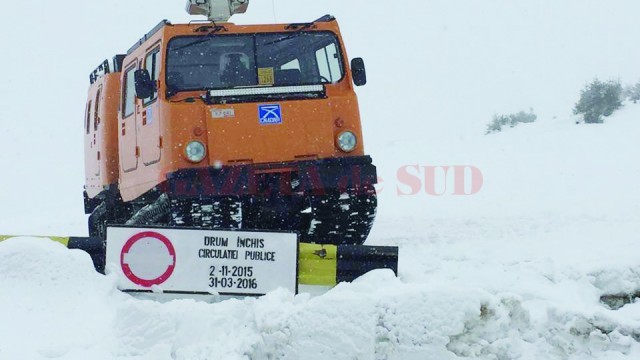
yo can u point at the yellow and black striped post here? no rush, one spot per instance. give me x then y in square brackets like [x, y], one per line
[62, 240]
[323, 265]
[329, 265]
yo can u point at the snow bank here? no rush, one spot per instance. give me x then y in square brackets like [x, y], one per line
[517, 271]
[54, 306]
[52, 303]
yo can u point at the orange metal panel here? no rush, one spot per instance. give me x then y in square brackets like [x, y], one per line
[309, 127]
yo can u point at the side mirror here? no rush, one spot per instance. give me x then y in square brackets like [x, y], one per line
[359, 72]
[145, 87]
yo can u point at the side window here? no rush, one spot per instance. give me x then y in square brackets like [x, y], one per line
[291, 65]
[129, 100]
[152, 64]
[96, 111]
[329, 66]
[87, 125]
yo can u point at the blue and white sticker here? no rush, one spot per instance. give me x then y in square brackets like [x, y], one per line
[270, 114]
[149, 115]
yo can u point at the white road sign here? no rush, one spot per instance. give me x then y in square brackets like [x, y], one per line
[203, 261]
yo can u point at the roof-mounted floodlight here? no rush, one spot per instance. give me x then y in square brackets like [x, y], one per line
[217, 10]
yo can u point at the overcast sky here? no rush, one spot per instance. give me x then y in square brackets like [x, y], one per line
[434, 67]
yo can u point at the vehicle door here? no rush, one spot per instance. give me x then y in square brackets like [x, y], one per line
[147, 115]
[129, 151]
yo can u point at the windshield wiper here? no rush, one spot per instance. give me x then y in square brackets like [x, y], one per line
[288, 37]
[214, 28]
[299, 29]
[300, 26]
[309, 25]
[173, 92]
[205, 38]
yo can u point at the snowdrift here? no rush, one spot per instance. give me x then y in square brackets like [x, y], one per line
[542, 263]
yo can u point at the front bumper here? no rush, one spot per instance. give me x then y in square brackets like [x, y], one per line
[307, 177]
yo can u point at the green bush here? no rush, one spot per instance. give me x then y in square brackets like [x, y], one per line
[599, 99]
[633, 93]
[511, 120]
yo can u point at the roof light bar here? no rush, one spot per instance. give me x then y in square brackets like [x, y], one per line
[267, 91]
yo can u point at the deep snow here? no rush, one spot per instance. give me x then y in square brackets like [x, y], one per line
[521, 281]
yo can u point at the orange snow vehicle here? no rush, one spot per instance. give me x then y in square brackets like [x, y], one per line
[213, 125]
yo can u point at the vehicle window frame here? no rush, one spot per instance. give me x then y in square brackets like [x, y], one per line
[131, 68]
[96, 109]
[155, 51]
[88, 117]
[338, 42]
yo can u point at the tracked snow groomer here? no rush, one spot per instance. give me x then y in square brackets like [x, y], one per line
[211, 125]
[226, 160]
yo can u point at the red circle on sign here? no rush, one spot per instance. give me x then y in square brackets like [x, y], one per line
[127, 269]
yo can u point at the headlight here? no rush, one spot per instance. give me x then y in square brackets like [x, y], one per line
[195, 151]
[347, 141]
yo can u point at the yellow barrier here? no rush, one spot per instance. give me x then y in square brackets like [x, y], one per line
[323, 265]
[318, 264]
[62, 240]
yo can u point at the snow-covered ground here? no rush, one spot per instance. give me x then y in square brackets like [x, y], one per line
[516, 270]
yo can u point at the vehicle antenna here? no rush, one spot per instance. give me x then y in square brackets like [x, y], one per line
[273, 6]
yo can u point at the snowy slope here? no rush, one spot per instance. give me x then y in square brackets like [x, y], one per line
[514, 272]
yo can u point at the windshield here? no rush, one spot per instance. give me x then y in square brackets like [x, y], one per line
[232, 61]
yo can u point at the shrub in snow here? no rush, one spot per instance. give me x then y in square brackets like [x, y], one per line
[599, 99]
[511, 120]
[633, 93]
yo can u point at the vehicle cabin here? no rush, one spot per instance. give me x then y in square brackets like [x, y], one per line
[198, 74]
